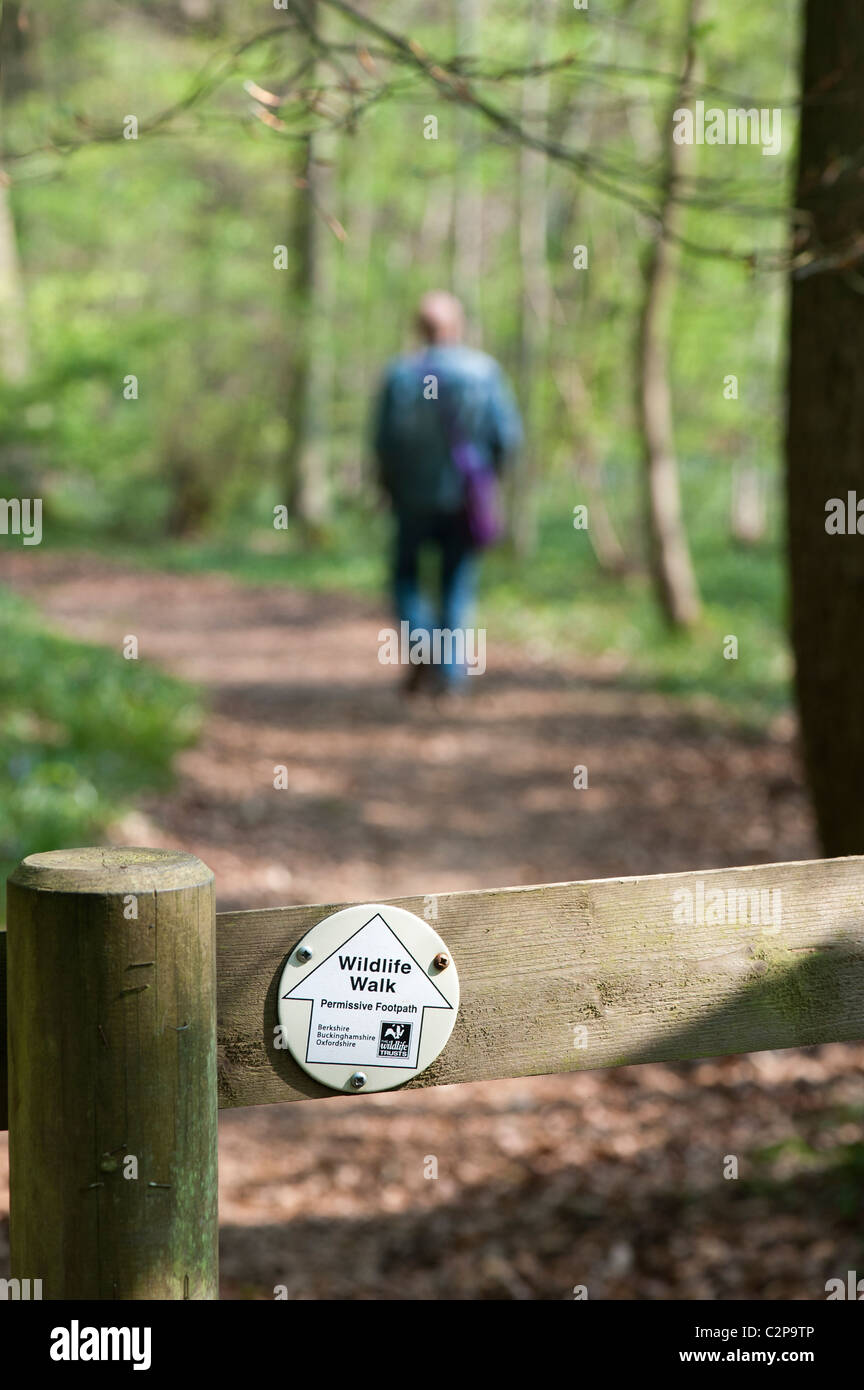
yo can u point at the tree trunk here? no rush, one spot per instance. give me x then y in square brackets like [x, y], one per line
[825, 421]
[307, 396]
[467, 226]
[14, 346]
[14, 334]
[748, 513]
[354, 278]
[18, 69]
[604, 541]
[672, 568]
[536, 291]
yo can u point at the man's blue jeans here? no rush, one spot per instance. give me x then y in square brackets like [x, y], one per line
[447, 533]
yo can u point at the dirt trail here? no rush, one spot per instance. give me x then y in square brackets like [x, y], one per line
[387, 797]
[613, 1180]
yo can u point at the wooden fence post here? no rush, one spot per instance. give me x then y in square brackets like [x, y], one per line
[112, 1058]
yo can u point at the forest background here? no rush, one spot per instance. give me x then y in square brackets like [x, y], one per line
[158, 259]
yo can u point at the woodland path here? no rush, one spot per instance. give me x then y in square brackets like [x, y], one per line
[613, 1179]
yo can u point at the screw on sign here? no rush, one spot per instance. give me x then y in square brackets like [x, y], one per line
[368, 998]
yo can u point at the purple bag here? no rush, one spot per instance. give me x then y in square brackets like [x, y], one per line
[482, 500]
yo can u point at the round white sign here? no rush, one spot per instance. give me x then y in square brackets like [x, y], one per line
[368, 998]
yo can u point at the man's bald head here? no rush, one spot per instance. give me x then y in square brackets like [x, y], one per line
[440, 317]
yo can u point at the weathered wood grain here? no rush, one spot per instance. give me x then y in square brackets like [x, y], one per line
[112, 1046]
[606, 955]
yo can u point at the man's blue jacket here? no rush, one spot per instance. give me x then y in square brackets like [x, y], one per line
[414, 430]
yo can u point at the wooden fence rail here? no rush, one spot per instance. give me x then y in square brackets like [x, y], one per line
[555, 978]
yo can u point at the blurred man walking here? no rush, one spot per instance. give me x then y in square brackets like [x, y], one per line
[447, 425]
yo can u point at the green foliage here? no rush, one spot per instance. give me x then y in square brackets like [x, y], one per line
[154, 256]
[82, 731]
[840, 1166]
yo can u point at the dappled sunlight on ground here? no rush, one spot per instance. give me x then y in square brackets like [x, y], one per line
[609, 1179]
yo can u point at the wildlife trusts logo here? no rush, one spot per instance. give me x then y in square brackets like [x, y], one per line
[394, 1039]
